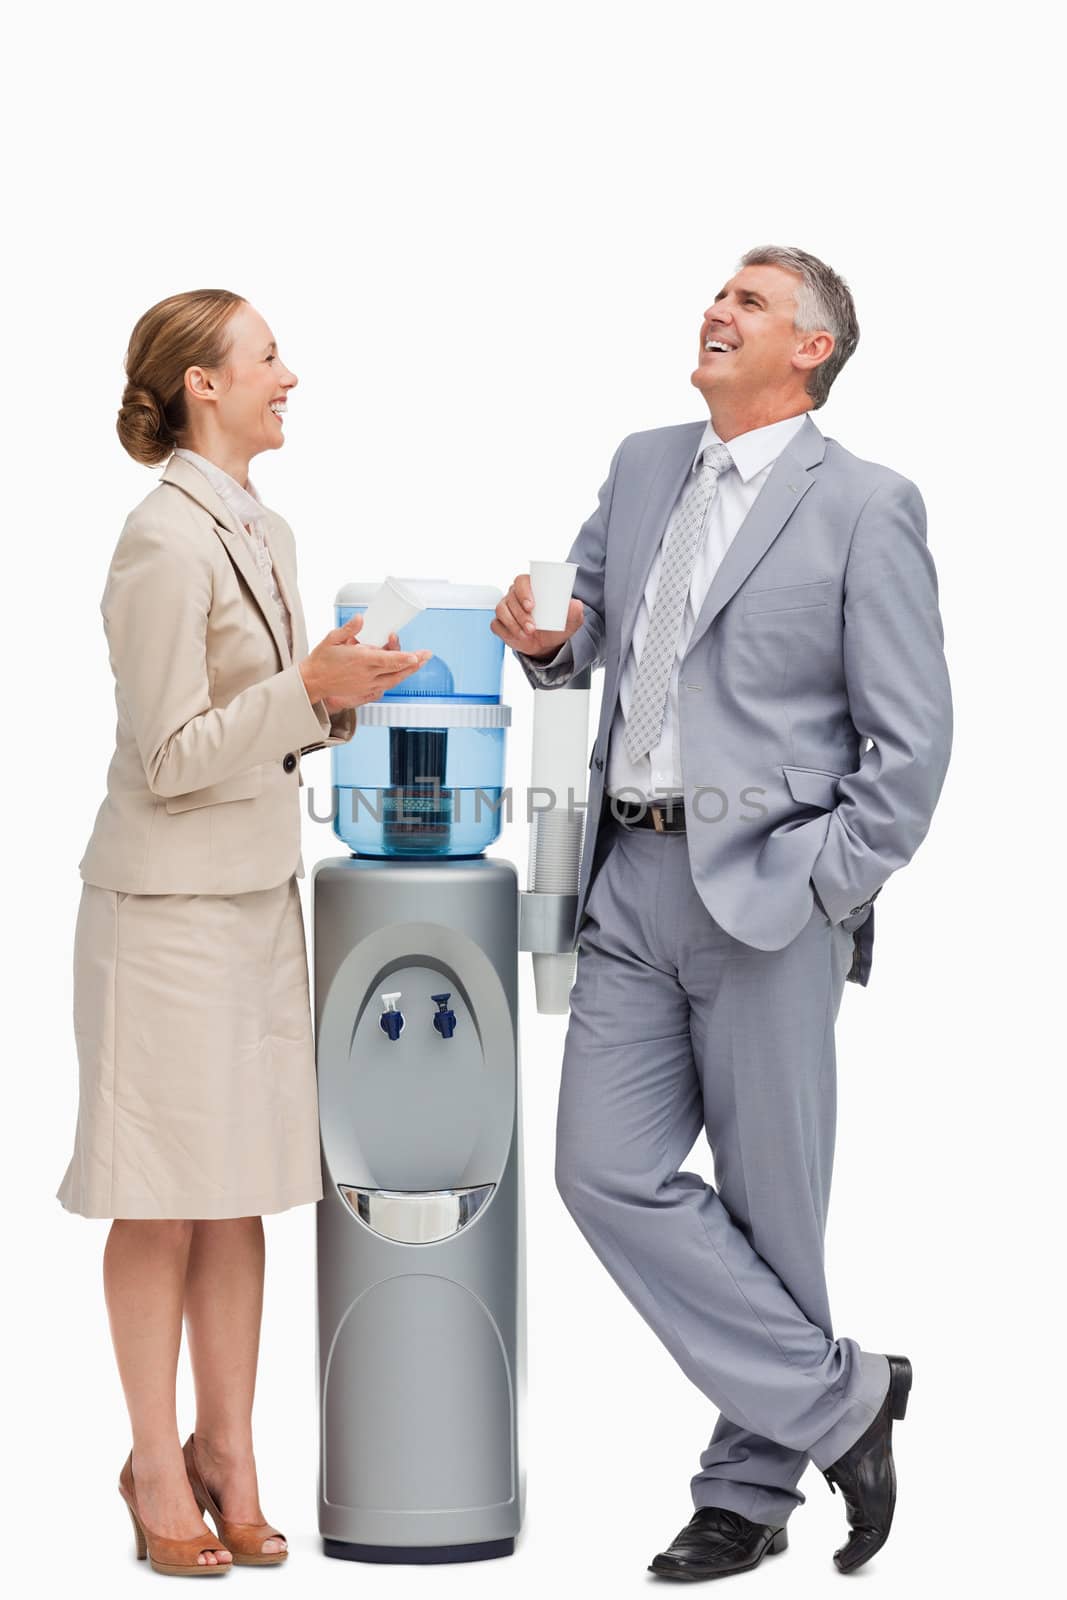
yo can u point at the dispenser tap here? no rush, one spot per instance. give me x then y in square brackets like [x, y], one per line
[444, 1020]
[392, 1018]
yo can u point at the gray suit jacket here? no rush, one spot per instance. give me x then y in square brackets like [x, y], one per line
[815, 714]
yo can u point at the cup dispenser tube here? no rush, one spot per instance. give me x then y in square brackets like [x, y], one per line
[558, 794]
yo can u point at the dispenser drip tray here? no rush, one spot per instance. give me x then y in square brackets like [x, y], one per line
[416, 1217]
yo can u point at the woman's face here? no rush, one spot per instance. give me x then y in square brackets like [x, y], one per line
[244, 397]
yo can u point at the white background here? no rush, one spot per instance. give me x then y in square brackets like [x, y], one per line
[484, 236]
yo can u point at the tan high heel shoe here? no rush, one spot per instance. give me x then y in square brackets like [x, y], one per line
[174, 1558]
[244, 1539]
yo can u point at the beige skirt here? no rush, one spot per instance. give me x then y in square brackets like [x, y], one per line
[197, 1093]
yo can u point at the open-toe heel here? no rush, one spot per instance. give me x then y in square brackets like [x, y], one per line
[174, 1558]
[245, 1540]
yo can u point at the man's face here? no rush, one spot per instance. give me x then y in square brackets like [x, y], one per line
[753, 316]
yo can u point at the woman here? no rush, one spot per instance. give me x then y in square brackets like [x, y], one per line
[197, 1109]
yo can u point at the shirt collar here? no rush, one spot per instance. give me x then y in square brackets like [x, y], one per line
[753, 451]
[244, 503]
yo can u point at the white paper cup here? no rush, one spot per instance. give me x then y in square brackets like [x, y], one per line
[553, 977]
[552, 583]
[392, 606]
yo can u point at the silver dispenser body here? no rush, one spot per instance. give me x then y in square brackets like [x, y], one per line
[421, 1255]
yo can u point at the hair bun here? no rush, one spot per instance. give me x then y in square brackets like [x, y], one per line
[142, 427]
[183, 331]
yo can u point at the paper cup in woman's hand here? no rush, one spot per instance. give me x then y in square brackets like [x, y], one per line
[394, 604]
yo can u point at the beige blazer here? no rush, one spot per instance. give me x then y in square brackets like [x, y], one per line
[213, 717]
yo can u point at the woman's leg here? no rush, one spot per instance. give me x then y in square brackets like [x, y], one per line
[144, 1283]
[223, 1308]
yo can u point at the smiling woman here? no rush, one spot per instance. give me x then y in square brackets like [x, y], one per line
[234, 396]
[198, 1108]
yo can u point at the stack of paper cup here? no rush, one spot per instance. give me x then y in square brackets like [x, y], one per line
[392, 606]
[552, 583]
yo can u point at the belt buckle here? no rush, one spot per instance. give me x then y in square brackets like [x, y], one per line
[657, 816]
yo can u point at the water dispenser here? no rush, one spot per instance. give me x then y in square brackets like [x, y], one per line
[421, 1275]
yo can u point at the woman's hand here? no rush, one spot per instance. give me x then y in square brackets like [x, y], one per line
[341, 676]
[392, 643]
[512, 622]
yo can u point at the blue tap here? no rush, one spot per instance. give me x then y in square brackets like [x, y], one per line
[392, 1018]
[444, 1020]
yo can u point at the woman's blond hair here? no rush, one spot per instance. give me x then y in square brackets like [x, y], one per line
[185, 330]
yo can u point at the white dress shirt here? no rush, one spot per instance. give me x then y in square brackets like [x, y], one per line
[754, 453]
[251, 514]
[659, 773]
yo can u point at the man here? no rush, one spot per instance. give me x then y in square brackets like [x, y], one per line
[774, 735]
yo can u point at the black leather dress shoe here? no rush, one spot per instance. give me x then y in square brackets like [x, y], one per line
[866, 1478]
[715, 1543]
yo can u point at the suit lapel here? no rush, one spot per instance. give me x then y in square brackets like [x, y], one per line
[285, 578]
[787, 483]
[183, 475]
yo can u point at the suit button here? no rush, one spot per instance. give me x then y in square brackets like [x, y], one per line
[599, 764]
[290, 762]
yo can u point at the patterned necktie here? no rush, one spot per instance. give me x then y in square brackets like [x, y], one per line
[649, 700]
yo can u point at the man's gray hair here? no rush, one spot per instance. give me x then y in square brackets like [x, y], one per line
[824, 304]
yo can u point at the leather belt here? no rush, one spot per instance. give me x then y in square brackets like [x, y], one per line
[661, 816]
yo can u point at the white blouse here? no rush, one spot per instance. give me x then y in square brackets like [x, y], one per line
[251, 514]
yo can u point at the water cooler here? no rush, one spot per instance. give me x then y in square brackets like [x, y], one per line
[421, 1275]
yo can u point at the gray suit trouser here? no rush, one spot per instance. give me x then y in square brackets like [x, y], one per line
[676, 1026]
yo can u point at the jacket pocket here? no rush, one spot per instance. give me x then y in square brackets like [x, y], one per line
[242, 786]
[787, 597]
[813, 786]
